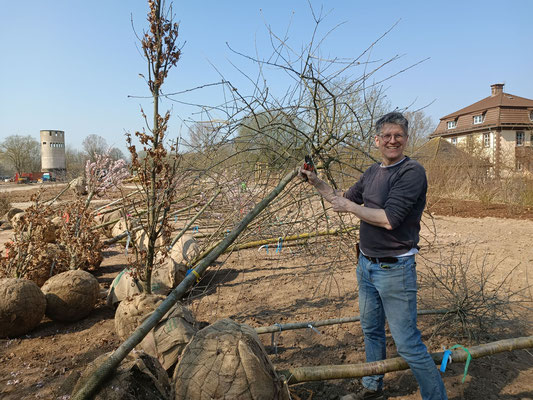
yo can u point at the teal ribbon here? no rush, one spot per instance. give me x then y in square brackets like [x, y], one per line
[467, 359]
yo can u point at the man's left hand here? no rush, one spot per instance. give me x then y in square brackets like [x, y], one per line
[341, 204]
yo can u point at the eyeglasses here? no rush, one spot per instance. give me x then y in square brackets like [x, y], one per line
[388, 138]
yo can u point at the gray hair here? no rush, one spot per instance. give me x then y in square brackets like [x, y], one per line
[394, 117]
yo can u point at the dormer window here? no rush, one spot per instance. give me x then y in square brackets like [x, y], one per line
[478, 119]
[452, 124]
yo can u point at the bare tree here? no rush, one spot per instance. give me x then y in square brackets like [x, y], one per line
[94, 145]
[116, 154]
[203, 135]
[21, 152]
[75, 161]
[420, 127]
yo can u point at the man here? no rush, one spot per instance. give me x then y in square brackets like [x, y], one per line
[394, 196]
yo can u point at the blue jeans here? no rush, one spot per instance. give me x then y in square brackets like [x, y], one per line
[388, 290]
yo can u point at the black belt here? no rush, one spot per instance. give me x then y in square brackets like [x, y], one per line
[376, 260]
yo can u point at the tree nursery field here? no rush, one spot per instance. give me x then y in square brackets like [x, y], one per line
[314, 280]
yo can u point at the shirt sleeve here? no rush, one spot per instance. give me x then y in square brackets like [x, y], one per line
[355, 193]
[405, 193]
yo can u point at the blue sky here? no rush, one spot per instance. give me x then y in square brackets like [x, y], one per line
[71, 64]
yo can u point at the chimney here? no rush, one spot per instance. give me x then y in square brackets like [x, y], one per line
[496, 89]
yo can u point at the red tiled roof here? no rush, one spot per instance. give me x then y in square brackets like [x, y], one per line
[500, 100]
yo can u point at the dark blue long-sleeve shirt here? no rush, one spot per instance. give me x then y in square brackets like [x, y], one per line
[400, 190]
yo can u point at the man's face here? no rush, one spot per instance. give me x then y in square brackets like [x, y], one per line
[391, 142]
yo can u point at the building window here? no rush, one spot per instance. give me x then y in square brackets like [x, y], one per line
[44, 143]
[478, 119]
[454, 141]
[486, 140]
[519, 138]
[519, 166]
[452, 124]
[531, 115]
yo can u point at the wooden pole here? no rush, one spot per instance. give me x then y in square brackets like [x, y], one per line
[335, 321]
[326, 372]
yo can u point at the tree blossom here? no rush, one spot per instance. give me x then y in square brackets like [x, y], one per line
[104, 174]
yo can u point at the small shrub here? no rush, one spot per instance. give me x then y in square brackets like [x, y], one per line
[29, 255]
[480, 305]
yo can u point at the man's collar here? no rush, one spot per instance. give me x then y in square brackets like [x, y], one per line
[393, 165]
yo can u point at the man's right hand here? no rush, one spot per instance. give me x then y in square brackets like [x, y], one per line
[309, 176]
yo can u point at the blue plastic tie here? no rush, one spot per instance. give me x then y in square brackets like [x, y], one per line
[280, 244]
[445, 357]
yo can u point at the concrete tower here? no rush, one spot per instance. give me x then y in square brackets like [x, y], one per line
[53, 153]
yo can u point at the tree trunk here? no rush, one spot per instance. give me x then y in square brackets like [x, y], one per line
[325, 372]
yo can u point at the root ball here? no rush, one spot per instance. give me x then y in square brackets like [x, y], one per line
[71, 295]
[138, 377]
[22, 306]
[226, 360]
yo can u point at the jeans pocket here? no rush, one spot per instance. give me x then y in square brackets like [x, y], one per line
[391, 266]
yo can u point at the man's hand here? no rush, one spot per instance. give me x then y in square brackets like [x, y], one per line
[341, 204]
[373, 216]
[311, 176]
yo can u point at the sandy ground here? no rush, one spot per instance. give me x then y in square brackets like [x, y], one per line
[306, 283]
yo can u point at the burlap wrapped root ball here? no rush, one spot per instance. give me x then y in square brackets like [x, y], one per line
[124, 286]
[6, 218]
[138, 377]
[168, 272]
[139, 237]
[70, 295]
[226, 360]
[168, 338]
[22, 306]
[119, 227]
[79, 186]
[108, 218]
[16, 220]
